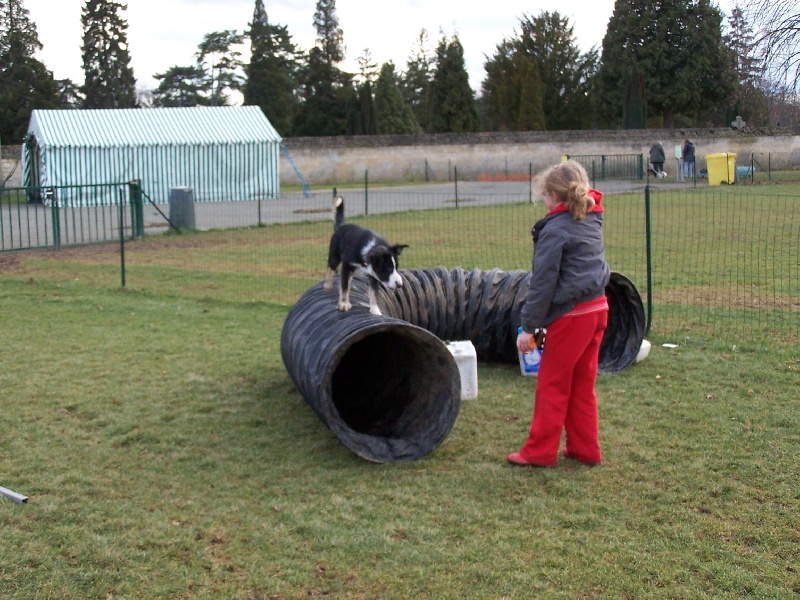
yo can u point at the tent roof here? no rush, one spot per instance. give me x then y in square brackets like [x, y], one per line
[124, 127]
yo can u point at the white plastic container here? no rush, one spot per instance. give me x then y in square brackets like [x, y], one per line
[529, 361]
[644, 350]
[467, 361]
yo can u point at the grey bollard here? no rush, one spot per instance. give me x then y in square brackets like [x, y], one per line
[181, 208]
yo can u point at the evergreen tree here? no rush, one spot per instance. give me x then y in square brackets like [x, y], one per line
[182, 86]
[109, 80]
[272, 71]
[25, 83]
[634, 110]
[678, 46]
[531, 103]
[749, 101]
[327, 92]
[330, 37]
[566, 74]
[393, 115]
[361, 114]
[452, 102]
[415, 84]
[512, 91]
[69, 93]
[218, 57]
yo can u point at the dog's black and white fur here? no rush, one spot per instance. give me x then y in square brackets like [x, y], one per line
[360, 251]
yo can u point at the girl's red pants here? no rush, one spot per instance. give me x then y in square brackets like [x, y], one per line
[565, 393]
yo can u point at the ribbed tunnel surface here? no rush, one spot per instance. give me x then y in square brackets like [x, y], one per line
[387, 386]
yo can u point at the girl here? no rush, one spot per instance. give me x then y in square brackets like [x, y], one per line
[567, 297]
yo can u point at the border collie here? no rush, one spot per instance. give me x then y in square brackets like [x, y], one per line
[360, 251]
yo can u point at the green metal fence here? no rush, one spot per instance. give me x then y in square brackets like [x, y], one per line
[603, 167]
[55, 216]
[719, 260]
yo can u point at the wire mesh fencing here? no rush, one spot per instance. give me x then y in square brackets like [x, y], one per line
[721, 261]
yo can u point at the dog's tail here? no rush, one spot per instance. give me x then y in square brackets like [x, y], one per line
[338, 211]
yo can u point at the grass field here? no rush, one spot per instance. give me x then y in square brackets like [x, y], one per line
[166, 453]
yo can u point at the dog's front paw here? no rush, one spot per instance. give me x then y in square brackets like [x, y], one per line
[374, 310]
[344, 305]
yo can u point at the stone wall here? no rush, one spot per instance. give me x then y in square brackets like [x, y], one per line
[10, 167]
[338, 160]
[410, 158]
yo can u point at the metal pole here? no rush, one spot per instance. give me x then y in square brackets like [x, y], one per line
[366, 191]
[12, 495]
[530, 183]
[258, 179]
[455, 177]
[648, 241]
[56, 225]
[122, 242]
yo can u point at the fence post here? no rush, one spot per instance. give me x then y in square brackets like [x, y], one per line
[649, 256]
[121, 240]
[455, 178]
[366, 191]
[56, 224]
[641, 167]
[530, 183]
[137, 209]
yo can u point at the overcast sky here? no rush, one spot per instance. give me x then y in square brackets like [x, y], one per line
[166, 33]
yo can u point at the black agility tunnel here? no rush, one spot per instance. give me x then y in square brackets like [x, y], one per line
[387, 386]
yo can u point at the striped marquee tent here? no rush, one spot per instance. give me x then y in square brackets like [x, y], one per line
[222, 153]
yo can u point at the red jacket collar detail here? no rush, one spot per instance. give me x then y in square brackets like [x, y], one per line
[594, 194]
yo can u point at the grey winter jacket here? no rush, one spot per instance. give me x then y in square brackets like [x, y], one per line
[569, 266]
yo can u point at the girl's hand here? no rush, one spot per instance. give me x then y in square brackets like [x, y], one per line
[525, 342]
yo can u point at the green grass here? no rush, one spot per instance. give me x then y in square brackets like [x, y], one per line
[166, 453]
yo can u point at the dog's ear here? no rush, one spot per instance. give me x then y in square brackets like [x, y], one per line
[398, 248]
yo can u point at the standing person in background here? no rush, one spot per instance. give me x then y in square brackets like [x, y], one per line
[657, 158]
[567, 297]
[678, 162]
[687, 155]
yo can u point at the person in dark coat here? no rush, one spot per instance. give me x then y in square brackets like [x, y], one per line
[657, 158]
[687, 155]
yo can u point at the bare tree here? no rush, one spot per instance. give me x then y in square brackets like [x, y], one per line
[777, 39]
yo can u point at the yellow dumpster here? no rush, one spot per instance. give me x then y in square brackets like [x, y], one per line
[721, 168]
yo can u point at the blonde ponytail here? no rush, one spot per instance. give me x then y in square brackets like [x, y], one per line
[569, 182]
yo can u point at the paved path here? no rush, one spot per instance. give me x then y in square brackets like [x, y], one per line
[34, 225]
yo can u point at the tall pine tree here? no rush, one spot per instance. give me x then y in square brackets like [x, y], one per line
[749, 100]
[634, 109]
[415, 84]
[327, 92]
[108, 76]
[393, 115]
[218, 56]
[678, 46]
[272, 71]
[512, 91]
[452, 102]
[25, 83]
[566, 74]
[182, 86]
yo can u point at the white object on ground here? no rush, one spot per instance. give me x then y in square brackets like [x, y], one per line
[467, 362]
[12, 495]
[644, 350]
